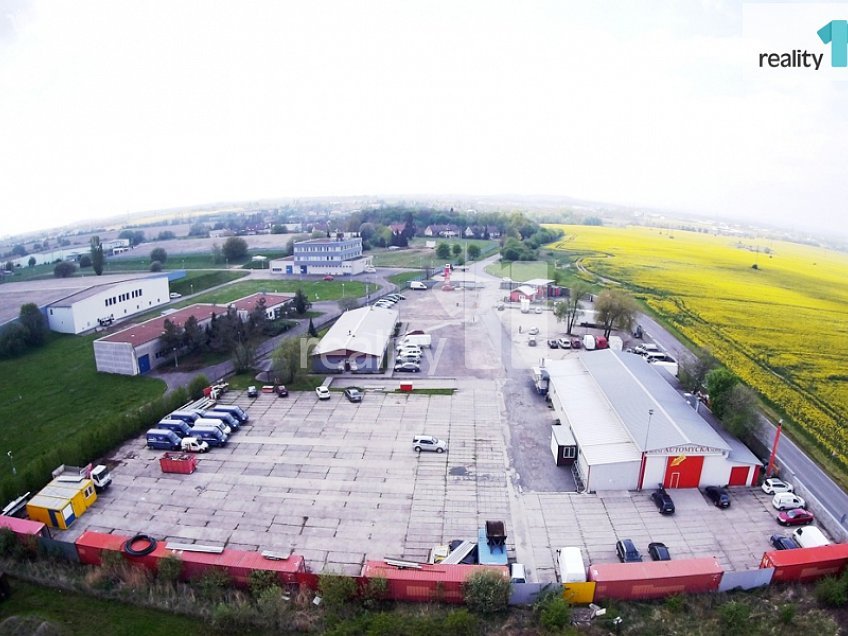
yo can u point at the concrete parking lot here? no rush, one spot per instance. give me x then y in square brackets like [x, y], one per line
[339, 483]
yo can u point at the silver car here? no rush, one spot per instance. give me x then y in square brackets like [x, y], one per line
[428, 443]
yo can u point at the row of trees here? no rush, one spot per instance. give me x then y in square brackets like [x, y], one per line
[444, 251]
[614, 308]
[27, 332]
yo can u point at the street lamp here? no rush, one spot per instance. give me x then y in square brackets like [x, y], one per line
[176, 362]
[342, 291]
[12, 462]
[645, 450]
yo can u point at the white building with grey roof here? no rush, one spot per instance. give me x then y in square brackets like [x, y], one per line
[358, 341]
[633, 430]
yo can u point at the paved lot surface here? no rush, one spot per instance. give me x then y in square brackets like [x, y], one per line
[340, 483]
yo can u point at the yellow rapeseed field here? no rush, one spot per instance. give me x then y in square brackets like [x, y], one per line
[782, 327]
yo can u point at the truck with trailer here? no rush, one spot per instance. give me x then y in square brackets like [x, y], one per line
[99, 475]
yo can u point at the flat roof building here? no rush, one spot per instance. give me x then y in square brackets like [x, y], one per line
[338, 255]
[358, 341]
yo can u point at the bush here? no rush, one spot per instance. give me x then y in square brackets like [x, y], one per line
[374, 592]
[158, 254]
[336, 590]
[261, 580]
[832, 592]
[734, 617]
[212, 583]
[196, 386]
[460, 623]
[675, 604]
[786, 614]
[8, 542]
[552, 610]
[273, 607]
[64, 269]
[170, 568]
[235, 617]
[486, 592]
[156, 266]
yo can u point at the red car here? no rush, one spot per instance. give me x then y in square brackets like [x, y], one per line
[328, 277]
[795, 517]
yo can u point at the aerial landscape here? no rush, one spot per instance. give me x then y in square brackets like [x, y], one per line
[405, 318]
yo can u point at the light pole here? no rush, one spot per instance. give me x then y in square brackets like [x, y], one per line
[12, 462]
[342, 291]
[645, 450]
[176, 362]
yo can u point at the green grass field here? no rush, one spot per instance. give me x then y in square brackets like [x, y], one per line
[403, 278]
[197, 281]
[52, 396]
[418, 256]
[314, 289]
[82, 614]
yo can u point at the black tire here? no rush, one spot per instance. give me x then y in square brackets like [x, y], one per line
[417, 449]
[440, 450]
[148, 547]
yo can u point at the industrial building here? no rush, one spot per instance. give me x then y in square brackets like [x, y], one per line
[631, 429]
[336, 256]
[358, 341]
[138, 349]
[101, 305]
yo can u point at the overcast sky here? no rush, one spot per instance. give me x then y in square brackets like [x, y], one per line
[113, 107]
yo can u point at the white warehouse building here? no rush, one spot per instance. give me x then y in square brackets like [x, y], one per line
[626, 428]
[103, 304]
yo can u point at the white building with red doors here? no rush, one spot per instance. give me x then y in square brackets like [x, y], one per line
[633, 430]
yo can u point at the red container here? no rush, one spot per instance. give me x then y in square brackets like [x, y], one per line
[654, 579]
[24, 527]
[207, 391]
[806, 564]
[406, 387]
[181, 463]
[440, 583]
[91, 545]
[196, 564]
[287, 570]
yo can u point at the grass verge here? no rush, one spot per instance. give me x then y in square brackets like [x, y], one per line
[315, 290]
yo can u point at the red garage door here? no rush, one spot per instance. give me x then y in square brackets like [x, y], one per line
[739, 476]
[683, 471]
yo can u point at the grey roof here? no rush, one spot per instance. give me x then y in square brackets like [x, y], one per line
[67, 301]
[634, 388]
[365, 330]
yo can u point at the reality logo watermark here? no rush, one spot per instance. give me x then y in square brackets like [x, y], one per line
[833, 33]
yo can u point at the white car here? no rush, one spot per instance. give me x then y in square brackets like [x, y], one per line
[370, 270]
[175, 295]
[773, 486]
[322, 392]
[417, 284]
[428, 443]
[788, 501]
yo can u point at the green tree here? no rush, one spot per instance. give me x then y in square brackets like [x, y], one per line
[456, 249]
[158, 254]
[443, 251]
[300, 302]
[615, 309]
[172, 336]
[33, 320]
[13, 340]
[235, 249]
[166, 235]
[19, 250]
[65, 269]
[194, 338]
[740, 412]
[155, 266]
[313, 333]
[97, 258]
[568, 310]
[217, 254]
[286, 360]
[85, 261]
[244, 355]
[692, 372]
[473, 252]
[720, 383]
[31, 262]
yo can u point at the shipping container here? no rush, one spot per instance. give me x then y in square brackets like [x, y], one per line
[241, 564]
[91, 545]
[179, 463]
[24, 527]
[655, 579]
[430, 583]
[806, 564]
[59, 503]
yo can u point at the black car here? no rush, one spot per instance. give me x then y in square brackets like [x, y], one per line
[252, 392]
[282, 391]
[659, 552]
[779, 542]
[353, 394]
[663, 501]
[718, 495]
[627, 552]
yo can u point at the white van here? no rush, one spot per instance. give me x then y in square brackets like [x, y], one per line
[809, 537]
[571, 568]
[417, 284]
[589, 342]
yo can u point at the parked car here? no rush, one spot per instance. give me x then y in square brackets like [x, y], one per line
[564, 343]
[370, 270]
[322, 392]
[779, 542]
[328, 277]
[417, 284]
[663, 500]
[627, 552]
[282, 391]
[659, 552]
[353, 394]
[397, 296]
[428, 443]
[576, 343]
[787, 501]
[533, 331]
[773, 485]
[193, 445]
[500, 306]
[795, 517]
[718, 495]
[175, 295]
[553, 343]
[538, 310]
[252, 392]
[408, 367]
